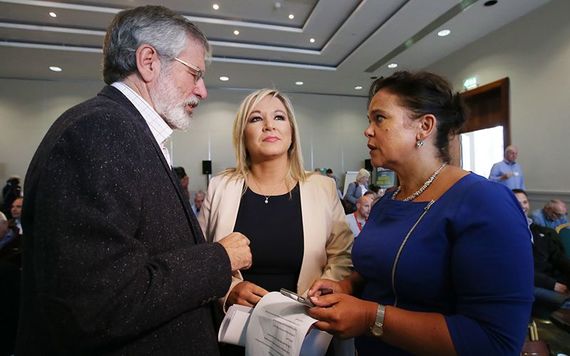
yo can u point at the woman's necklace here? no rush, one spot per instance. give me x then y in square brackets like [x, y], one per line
[260, 190]
[426, 184]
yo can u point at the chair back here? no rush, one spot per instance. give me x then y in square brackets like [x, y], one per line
[533, 346]
[565, 238]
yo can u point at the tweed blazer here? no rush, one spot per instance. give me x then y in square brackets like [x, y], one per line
[114, 261]
[327, 237]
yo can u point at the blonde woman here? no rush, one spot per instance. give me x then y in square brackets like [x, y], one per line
[294, 219]
[356, 189]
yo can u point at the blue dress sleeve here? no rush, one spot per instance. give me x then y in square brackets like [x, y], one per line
[492, 271]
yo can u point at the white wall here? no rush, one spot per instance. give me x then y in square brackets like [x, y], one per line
[534, 52]
[330, 126]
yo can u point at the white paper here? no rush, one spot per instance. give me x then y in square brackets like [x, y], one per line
[234, 325]
[279, 325]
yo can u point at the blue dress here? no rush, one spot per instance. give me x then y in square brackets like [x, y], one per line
[469, 258]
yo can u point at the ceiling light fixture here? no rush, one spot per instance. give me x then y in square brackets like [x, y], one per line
[52, 14]
[358, 87]
[490, 3]
[216, 7]
[291, 16]
[312, 40]
[55, 69]
[299, 83]
[236, 32]
[392, 65]
[223, 78]
[444, 33]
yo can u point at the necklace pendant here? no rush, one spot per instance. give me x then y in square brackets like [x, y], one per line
[266, 200]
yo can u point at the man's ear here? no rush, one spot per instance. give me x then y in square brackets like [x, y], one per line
[148, 63]
[427, 126]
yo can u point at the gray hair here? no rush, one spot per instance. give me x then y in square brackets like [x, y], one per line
[163, 29]
[2, 218]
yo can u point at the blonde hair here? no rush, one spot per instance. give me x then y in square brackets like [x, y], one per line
[243, 162]
[362, 173]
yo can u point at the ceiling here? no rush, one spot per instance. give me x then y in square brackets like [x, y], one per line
[353, 40]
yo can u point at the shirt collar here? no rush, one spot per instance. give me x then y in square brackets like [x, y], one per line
[160, 130]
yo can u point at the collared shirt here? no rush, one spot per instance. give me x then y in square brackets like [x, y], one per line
[516, 181]
[539, 217]
[160, 130]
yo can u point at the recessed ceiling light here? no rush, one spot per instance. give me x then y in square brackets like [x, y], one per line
[392, 65]
[223, 78]
[490, 3]
[312, 40]
[291, 16]
[216, 7]
[52, 14]
[358, 87]
[236, 32]
[444, 33]
[55, 69]
[299, 83]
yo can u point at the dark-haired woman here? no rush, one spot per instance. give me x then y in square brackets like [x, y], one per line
[444, 264]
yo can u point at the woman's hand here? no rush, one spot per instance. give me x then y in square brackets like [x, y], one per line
[324, 284]
[328, 285]
[343, 315]
[245, 293]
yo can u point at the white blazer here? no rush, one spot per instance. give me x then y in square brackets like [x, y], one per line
[327, 237]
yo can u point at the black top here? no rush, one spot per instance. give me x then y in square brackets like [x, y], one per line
[275, 230]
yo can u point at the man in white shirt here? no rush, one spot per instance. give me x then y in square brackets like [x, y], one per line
[357, 220]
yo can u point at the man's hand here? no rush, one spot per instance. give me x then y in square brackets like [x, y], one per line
[561, 288]
[237, 248]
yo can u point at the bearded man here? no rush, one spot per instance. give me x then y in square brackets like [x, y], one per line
[114, 259]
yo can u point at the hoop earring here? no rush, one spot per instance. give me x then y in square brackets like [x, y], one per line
[419, 143]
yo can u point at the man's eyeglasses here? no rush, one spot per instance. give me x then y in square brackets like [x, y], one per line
[195, 71]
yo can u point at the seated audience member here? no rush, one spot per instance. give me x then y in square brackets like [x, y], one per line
[10, 266]
[184, 180]
[16, 211]
[356, 189]
[331, 175]
[10, 192]
[434, 273]
[551, 267]
[11, 248]
[6, 234]
[357, 220]
[553, 214]
[508, 172]
[198, 201]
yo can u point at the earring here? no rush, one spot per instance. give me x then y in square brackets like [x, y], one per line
[419, 143]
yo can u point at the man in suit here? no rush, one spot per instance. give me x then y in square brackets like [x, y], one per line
[114, 261]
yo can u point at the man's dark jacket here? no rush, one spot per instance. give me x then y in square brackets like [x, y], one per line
[551, 264]
[114, 260]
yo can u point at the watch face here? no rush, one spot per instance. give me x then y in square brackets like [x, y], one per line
[377, 330]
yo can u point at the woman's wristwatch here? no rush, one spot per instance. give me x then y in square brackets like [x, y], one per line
[377, 329]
